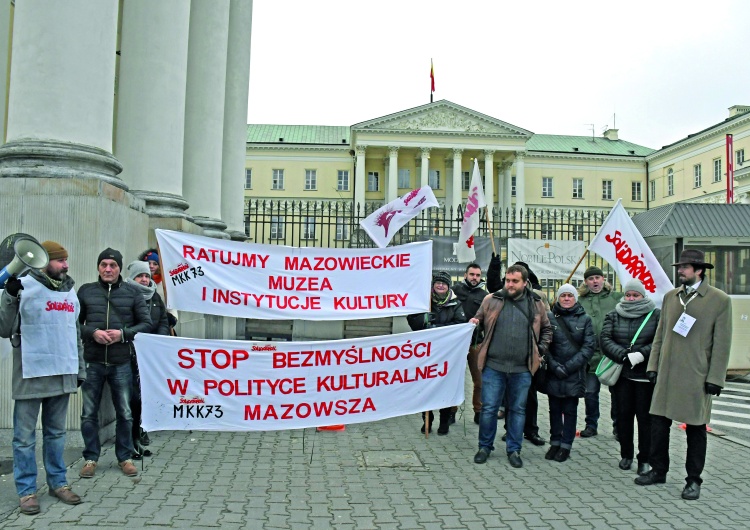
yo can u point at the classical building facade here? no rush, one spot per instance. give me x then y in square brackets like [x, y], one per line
[435, 144]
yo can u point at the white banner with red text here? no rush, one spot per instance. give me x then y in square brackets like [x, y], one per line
[620, 243]
[229, 278]
[220, 385]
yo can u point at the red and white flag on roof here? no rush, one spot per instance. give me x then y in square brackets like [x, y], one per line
[381, 224]
[465, 248]
[620, 243]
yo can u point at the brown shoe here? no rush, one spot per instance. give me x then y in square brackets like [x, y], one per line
[29, 504]
[128, 468]
[88, 469]
[65, 494]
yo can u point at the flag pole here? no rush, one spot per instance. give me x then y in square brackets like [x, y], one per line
[567, 280]
[489, 225]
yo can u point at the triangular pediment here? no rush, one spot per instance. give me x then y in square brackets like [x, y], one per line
[442, 117]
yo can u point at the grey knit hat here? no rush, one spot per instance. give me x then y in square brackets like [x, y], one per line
[567, 288]
[634, 285]
[137, 268]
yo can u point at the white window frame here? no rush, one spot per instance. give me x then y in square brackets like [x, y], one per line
[247, 225]
[342, 229]
[652, 190]
[547, 231]
[311, 180]
[636, 193]
[547, 188]
[373, 177]
[739, 156]
[606, 190]
[697, 176]
[717, 170]
[433, 179]
[513, 186]
[342, 182]
[576, 232]
[308, 227]
[670, 182]
[277, 226]
[277, 179]
[465, 180]
[578, 188]
[248, 178]
[404, 178]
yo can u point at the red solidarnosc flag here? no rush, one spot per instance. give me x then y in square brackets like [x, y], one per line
[620, 243]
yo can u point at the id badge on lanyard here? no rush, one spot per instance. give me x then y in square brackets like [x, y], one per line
[685, 322]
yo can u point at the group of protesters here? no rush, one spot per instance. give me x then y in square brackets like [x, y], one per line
[660, 365]
[63, 341]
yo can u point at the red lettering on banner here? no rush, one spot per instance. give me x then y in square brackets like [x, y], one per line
[290, 411]
[255, 387]
[353, 355]
[225, 257]
[60, 306]
[633, 263]
[299, 283]
[177, 386]
[218, 358]
[380, 301]
[269, 301]
[322, 263]
[338, 383]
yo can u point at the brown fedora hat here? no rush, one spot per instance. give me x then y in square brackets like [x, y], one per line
[692, 256]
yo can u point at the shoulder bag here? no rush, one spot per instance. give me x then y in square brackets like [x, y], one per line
[608, 371]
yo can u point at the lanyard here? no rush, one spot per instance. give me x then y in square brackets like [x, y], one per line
[689, 299]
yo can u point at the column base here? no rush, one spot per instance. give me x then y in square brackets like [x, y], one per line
[236, 235]
[212, 227]
[159, 204]
[52, 159]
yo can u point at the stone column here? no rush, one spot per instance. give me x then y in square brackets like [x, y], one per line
[520, 182]
[507, 186]
[151, 103]
[456, 194]
[204, 114]
[235, 118]
[392, 190]
[489, 178]
[60, 102]
[360, 185]
[425, 175]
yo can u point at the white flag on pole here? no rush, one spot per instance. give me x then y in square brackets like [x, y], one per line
[621, 244]
[381, 224]
[475, 201]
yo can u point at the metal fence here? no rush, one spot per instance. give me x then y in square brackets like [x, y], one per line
[335, 224]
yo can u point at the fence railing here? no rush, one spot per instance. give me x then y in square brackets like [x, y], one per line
[335, 224]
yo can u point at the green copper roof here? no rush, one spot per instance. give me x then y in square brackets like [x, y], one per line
[558, 143]
[297, 134]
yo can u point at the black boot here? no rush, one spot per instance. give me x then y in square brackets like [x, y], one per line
[432, 418]
[445, 421]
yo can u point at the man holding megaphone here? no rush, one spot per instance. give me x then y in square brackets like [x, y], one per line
[39, 313]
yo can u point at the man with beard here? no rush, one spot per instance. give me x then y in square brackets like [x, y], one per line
[688, 365]
[511, 356]
[50, 368]
[470, 293]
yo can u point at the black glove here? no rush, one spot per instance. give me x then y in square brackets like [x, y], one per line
[561, 372]
[714, 390]
[495, 260]
[13, 286]
[80, 382]
[429, 319]
[172, 320]
[651, 377]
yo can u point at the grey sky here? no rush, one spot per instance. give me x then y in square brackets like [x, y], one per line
[665, 68]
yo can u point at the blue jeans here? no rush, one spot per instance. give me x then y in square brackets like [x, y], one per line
[25, 414]
[591, 400]
[515, 387]
[120, 379]
[563, 412]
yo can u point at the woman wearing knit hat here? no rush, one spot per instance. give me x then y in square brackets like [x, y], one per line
[138, 275]
[151, 256]
[573, 343]
[626, 338]
[446, 309]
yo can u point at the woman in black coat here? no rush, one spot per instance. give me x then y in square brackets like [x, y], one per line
[573, 343]
[633, 390]
[445, 310]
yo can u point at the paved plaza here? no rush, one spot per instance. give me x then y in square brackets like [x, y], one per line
[387, 475]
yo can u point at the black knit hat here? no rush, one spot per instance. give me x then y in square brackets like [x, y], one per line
[441, 276]
[110, 253]
[593, 271]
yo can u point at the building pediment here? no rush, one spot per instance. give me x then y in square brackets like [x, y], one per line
[442, 117]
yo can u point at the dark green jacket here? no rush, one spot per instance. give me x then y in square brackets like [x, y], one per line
[597, 306]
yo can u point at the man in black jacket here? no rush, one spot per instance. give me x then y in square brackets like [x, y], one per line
[112, 312]
[471, 292]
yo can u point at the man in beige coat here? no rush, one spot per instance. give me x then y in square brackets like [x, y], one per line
[688, 364]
